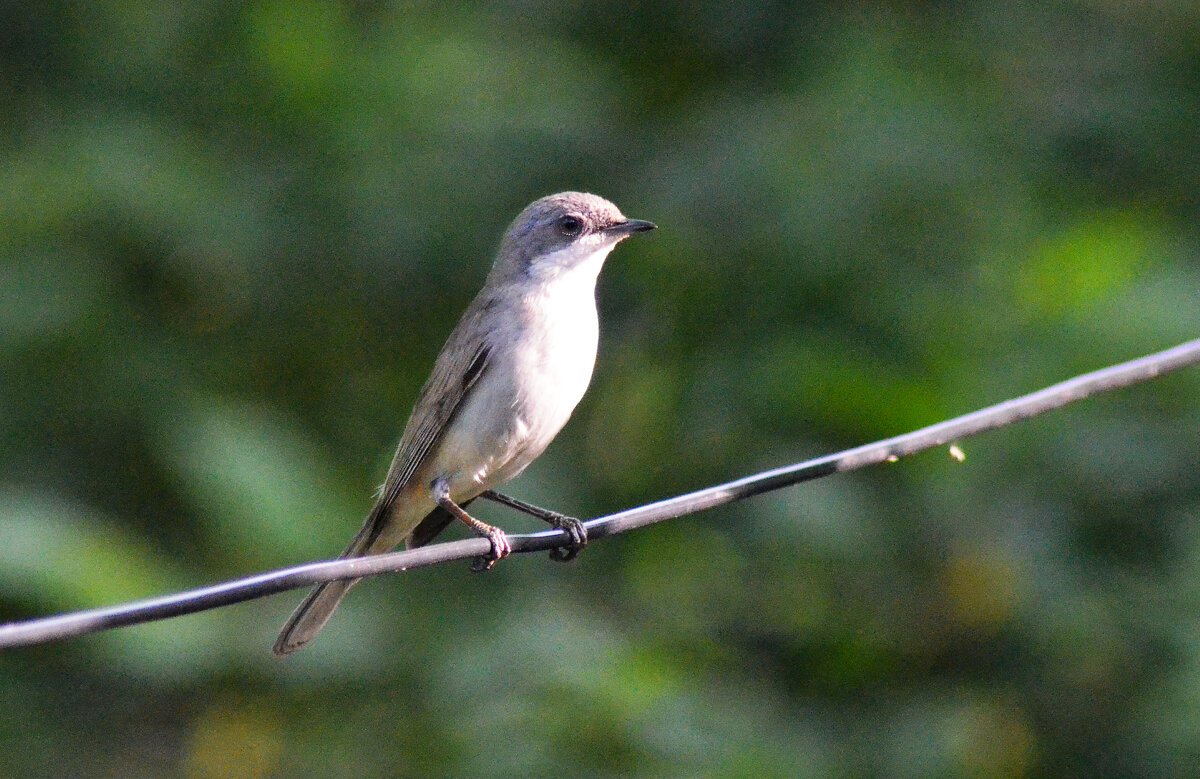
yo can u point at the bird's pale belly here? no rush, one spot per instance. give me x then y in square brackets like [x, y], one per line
[484, 449]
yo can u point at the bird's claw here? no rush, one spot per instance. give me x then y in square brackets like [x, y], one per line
[501, 548]
[577, 534]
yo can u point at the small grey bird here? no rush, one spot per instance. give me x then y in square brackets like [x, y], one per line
[503, 386]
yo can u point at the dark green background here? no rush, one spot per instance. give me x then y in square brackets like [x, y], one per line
[236, 234]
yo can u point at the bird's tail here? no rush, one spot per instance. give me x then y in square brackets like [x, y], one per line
[311, 615]
[315, 610]
[388, 520]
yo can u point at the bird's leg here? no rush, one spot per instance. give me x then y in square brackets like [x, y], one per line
[501, 547]
[574, 529]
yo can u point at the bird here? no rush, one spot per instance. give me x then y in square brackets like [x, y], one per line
[502, 387]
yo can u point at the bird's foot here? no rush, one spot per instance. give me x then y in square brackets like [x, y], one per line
[575, 530]
[576, 533]
[501, 548]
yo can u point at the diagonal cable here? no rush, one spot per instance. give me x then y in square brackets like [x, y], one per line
[45, 629]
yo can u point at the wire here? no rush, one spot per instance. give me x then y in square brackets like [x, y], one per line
[54, 628]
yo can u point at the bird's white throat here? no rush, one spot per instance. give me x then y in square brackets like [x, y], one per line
[580, 261]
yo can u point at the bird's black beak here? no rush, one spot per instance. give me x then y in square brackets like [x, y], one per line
[630, 226]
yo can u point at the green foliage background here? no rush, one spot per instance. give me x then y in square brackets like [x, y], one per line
[236, 234]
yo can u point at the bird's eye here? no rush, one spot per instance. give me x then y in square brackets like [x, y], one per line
[570, 225]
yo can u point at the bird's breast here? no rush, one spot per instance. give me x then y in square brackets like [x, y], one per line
[551, 368]
[540, 366]
[562, 334]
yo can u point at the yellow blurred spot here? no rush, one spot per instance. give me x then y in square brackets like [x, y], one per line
[957, 453]
[980, 588]
[233, 739]
[996, 739]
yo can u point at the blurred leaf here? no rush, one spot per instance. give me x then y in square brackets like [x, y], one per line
[268, 492]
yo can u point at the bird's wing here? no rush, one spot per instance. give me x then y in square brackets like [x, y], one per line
[456, 370]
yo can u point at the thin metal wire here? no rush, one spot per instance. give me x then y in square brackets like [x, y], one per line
[45, 629]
